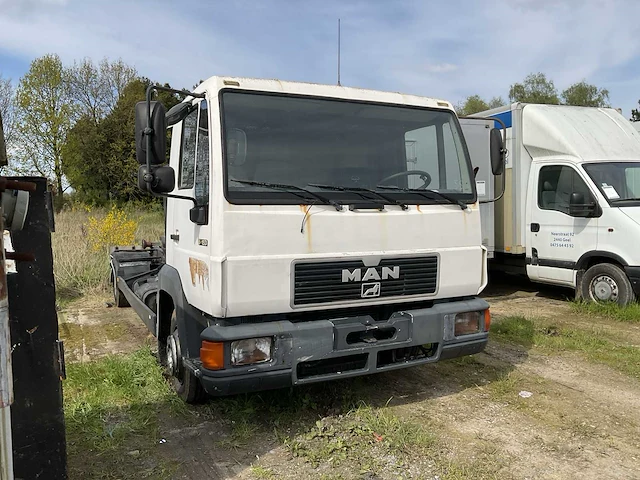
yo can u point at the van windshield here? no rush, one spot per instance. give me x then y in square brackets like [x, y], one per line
[619, 182]
[340, 149]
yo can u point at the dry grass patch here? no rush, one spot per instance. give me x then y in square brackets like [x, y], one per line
[82, 239]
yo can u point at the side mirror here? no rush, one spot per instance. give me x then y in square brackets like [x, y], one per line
[179, 112]
[578, 207]
[163, 179]
[496, 148]
[157, 130]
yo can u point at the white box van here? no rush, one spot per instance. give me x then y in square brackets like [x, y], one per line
[570, 214]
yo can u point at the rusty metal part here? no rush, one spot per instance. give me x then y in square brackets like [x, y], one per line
[146, 244]
[6, 184]
[20, 256]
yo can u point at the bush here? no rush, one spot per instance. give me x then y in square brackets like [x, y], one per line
[82, 238]
[115, 228]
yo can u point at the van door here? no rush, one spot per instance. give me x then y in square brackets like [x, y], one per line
[555, 238]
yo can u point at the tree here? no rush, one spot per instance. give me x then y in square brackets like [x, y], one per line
[7, 107]
[101, 157]
[44, 118]
[97, 88]
[583, 94]
[475, 104]
[635, 114]
[535, 88]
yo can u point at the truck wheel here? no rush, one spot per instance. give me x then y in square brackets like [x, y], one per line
[606, 282]
[118, 297]
[183, 381]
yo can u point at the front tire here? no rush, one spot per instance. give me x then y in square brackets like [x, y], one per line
[605, 282]
[183, 381]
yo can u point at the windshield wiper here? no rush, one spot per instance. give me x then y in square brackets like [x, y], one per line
[427, 194]
[359, 191]
[625, 200]
[289, 188]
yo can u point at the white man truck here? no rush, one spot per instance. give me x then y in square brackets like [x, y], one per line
[312, 233]
[570, 213]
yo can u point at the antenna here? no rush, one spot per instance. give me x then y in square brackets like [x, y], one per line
[338, 52]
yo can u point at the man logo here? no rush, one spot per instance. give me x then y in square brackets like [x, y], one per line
[369, 274]
[370, 290]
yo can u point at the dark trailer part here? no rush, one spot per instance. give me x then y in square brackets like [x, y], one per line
[37, 416]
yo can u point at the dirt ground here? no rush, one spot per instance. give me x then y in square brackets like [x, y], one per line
[511, 412]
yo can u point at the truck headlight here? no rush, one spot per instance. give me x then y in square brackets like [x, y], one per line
[251, 350]
[466, 323]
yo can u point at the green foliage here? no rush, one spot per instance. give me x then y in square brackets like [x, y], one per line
[112, 407]
[475, 104]
[101, 155]
[535, 88]
[635, 114]
[45, 117]
[584, 94]
[7, 114]
[629, 313]
[591, 341]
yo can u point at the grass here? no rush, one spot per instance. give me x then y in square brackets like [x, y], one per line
[629, 313]
[79, 270]
[594, 343]
[369, 439]
[111, 413]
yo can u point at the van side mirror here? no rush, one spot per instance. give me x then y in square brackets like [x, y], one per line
[496, 148]
[157, 130]
[163, 178]
[578, 207]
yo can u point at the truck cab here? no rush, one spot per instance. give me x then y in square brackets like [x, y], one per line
[313, 232]
[570, 215]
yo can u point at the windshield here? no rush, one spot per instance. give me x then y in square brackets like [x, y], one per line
[619, 182]
[316, 144]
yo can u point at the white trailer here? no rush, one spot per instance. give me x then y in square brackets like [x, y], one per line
[570, 214]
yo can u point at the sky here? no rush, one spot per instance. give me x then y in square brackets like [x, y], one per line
[443, 49]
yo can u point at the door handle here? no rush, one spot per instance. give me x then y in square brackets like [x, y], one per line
[175, 236]
[535, 227]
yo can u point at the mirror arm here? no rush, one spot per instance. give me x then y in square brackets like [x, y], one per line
[179, 197]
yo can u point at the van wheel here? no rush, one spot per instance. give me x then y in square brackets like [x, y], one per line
[118, 297]
[183, 381]
[604, 283]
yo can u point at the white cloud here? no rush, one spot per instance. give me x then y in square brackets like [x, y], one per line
[445, 50]
[441, 68]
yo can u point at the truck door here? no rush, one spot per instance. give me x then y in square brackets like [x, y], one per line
[555, 238]
[188, 242]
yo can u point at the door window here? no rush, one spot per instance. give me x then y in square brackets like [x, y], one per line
[202, 156]
[188, 151]
[555, 186]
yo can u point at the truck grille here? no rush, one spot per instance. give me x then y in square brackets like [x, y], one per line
[322, 282]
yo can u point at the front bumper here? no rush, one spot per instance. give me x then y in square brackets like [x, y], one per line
[634, 277]
[321, 350]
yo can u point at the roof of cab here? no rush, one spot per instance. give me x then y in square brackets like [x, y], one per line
[216, 83]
